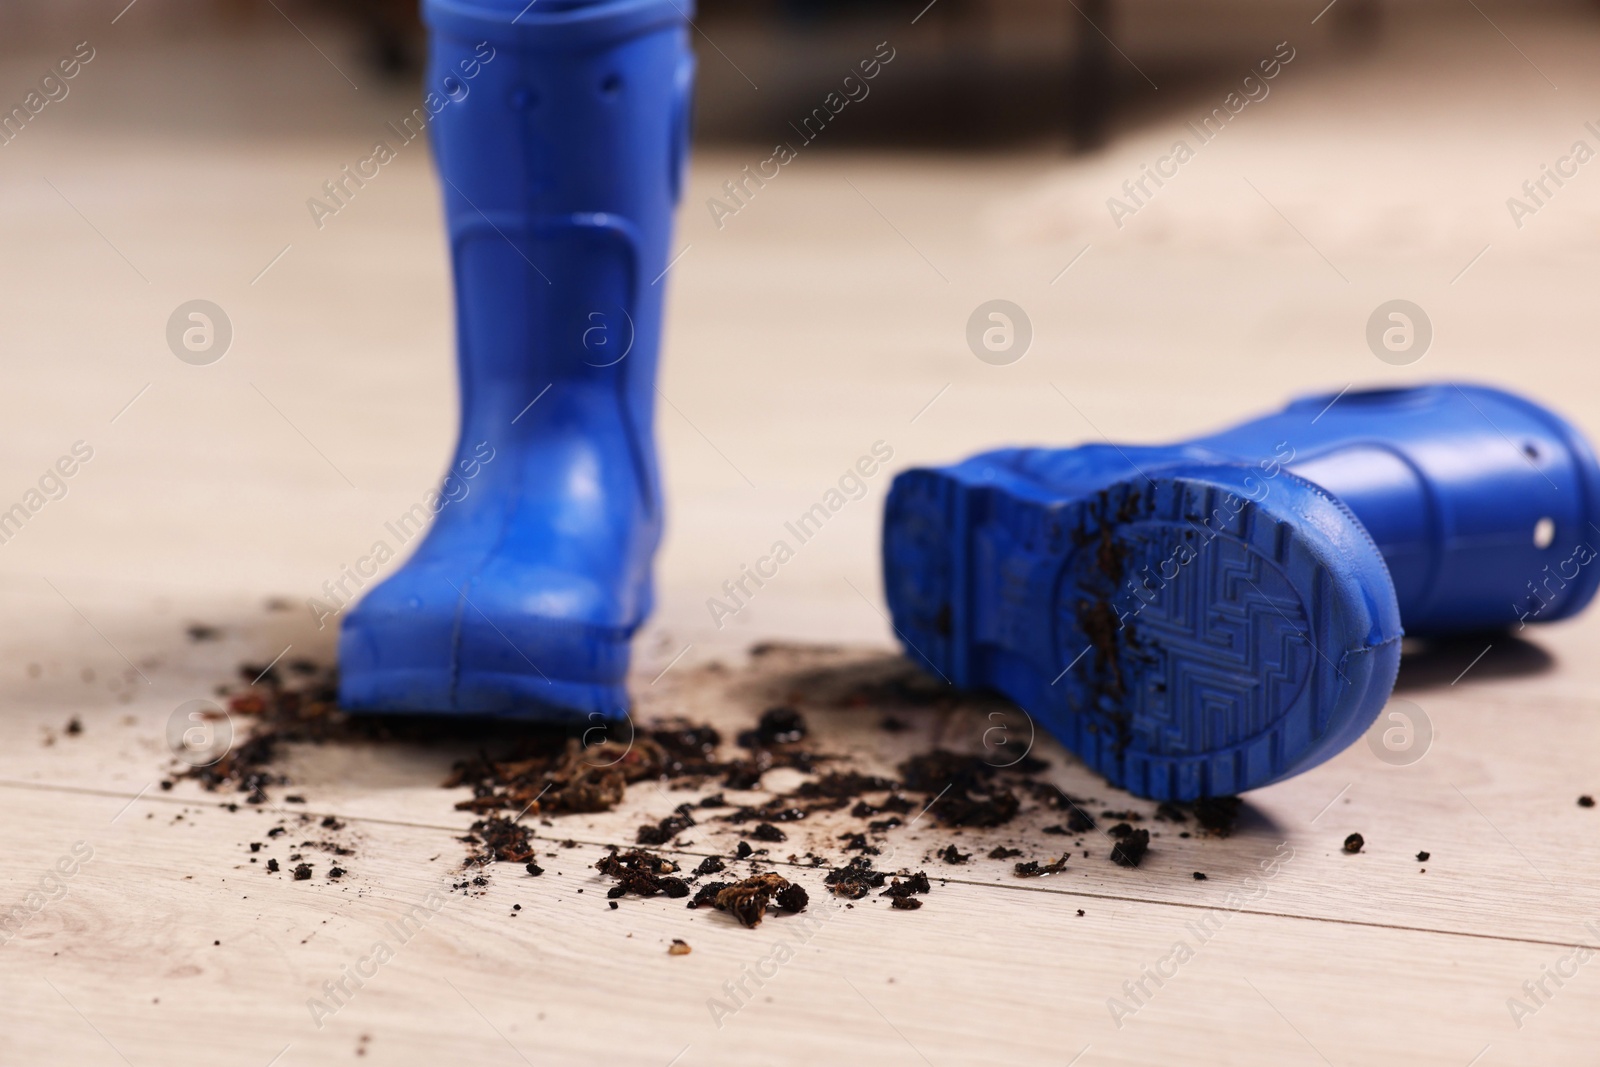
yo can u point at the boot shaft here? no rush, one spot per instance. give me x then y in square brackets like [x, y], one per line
[1485, 505]
[560, 132]
[578, 109]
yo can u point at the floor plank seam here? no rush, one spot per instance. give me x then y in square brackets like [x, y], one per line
[943, 879]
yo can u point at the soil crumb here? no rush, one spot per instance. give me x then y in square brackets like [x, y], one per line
[747, 900]
[1130, 850]
[642, 874]
[1035, 869]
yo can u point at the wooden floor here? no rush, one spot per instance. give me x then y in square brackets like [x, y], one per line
[828, 314]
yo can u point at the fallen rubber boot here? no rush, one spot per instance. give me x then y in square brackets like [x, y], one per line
[1204, 618]
[560, 134]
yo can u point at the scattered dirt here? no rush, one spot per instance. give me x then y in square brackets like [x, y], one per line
[1131, 849]
[1035, 869]
[1169, 812]
[679, 947]
[747, 900]
[777, 726]
[706, 895]
[1586, 801]
[964, 789]
[642, 874]
[855, 879]
[1424, 857]
[1354, 843]
[792, 897]
[498, 838]
[857, 842]
[1218, 814]
[955, 809]
[663, 832]
[521, 776]
[899, 890]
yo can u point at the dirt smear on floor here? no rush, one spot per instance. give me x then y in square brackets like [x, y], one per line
[522, 781]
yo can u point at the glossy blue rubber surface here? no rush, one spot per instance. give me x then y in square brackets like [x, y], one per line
[560, 167]
[1213, 616]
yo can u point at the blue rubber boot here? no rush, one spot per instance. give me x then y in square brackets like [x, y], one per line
[1208, 617]
[560, 132]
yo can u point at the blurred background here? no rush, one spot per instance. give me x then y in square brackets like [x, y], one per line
[992, 73]
[827, 313]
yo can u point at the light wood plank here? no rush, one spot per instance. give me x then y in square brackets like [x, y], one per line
[980, 974]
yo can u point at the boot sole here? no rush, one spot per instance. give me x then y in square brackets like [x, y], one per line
[515, 697]
[1183, 638]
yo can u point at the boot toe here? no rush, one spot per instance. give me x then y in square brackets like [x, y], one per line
[534, 645]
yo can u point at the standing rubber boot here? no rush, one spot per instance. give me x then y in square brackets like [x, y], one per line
[560, 141]
[1208, 617]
